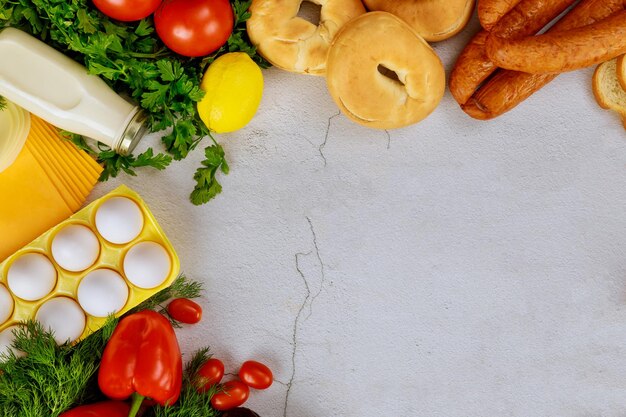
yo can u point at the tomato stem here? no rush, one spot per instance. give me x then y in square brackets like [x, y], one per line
[137, 400]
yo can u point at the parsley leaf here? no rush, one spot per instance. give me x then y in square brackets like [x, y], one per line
[207, 185]
[114, 162]
[133, 61]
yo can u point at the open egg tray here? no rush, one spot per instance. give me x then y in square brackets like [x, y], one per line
[111, 256]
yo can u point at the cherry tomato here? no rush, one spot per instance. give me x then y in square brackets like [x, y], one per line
[235, 393]
[127, 10]
[256, 375]
[194, 27]
[185, 310]
[211, 372]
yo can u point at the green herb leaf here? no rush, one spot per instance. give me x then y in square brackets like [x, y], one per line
[144, 28]
[191, 402]
[51, 379]
[207, 185]
[134, 62]
[86, 22]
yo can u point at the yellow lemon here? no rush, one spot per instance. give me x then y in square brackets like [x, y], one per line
[233, 86]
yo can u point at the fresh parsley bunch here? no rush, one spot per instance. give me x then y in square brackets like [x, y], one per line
[132, 59]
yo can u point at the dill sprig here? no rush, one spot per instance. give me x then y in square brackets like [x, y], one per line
[181, 288]
[51, 379]
[191, 403]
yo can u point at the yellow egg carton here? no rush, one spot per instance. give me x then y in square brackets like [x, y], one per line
[118, 277]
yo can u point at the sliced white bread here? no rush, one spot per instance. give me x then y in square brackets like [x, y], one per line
[608, 90]
[621, 71]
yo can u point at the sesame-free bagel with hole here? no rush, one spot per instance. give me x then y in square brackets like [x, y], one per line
[434, 20]
[367, 96]
[292, 43]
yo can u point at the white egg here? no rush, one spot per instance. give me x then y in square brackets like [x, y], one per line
[6, 340]
[31, 277]
[75, 248]
[147, 265]
[102, 292]
[119, 220]
[64, 317]
[6, 304]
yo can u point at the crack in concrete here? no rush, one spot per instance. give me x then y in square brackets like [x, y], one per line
[294, 342]
[323, 145]
[308, 299]
[279, 382]
[323, 273]
[388, 138]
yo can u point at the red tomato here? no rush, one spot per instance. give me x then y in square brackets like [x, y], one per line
[127, 10]
[185, 310]
[211, 372]
[256, 375]
[235, 394]
[194, 27]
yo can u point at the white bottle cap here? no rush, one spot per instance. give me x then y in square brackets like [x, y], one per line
[14, 128]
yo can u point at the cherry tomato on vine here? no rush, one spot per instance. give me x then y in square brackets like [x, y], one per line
[185, 310]
[127, 10]
[194, 27]
[235, 393]
[211, 373]
[256, 375]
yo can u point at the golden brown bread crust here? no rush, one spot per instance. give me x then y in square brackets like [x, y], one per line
[562, 51]
[292, 43]
[473, 66]
[490, 11]
[507, 88]
[596, 86]
[606, 88]
[434, 20]
[370, 98]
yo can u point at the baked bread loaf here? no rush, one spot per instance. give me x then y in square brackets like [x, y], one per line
[607, 89]
[434, 20]
[383, 84]
[621, 71]
[291, 42]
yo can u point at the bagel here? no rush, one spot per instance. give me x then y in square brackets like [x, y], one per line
[434, 20]
[357, 61]
[291, 42]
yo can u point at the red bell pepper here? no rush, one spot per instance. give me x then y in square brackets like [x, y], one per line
[142, 359]
[101, 409]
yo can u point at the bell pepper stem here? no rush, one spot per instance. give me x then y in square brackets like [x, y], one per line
[137, 399]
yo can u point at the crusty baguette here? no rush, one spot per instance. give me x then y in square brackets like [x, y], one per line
[490, 11]
[621, 71]
[507, 89]
[473, 66]
[562, 51]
